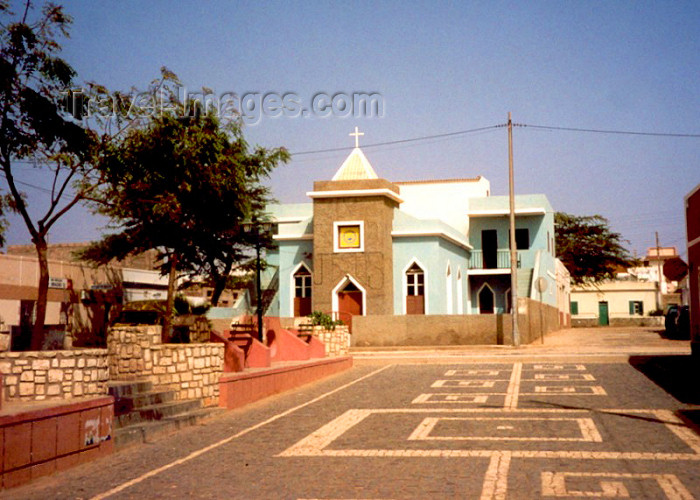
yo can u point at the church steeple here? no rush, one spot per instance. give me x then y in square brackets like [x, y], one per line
[356, 166]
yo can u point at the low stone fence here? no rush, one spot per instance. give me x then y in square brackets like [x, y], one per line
[192, 370]
[337, 341]
[45, 375]
[621, 321]
[534, 320]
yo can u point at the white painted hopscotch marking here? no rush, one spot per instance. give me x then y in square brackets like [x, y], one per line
[496, 478]
[464, 383]
[315, 444]
[563, 376]
[572, 390]
[564, 367]
[586, 426]
[480, 373]
[612, 485]
[450, 397]
[514, 386]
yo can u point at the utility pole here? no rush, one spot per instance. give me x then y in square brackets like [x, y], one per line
[513, 250]
[658, 266]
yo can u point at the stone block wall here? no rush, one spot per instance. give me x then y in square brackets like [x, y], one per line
[47, 375]
[337, 341]
[192, 370]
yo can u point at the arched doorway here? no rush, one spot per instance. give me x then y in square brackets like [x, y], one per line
[486, 300]
[350, 300]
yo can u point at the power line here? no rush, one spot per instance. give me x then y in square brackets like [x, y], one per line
[402, 141]
[602, 131]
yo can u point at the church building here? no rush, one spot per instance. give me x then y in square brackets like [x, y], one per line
[366, 246]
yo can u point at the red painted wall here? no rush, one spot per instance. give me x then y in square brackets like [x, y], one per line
[37, 443]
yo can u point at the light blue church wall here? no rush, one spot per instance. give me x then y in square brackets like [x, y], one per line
[432, 254]
[540, 257]
[287, 257]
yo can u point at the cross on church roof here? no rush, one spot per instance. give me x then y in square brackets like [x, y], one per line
[357, 135]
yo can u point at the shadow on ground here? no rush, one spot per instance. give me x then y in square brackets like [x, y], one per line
[678, 375]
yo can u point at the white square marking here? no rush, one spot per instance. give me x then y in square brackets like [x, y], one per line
[564, 376]
[587, 428]
[447, 397]
[574, 390]
[610, 485]
[464, 383]
[480, 373]
[565, 367]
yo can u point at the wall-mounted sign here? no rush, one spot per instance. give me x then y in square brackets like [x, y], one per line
[60, 283]
[102, 287]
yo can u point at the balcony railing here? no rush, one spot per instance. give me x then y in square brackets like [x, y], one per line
[501, 260]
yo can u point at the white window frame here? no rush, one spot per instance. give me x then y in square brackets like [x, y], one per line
[292, 287]
[336, 244]
[460, 293]
[448, 290]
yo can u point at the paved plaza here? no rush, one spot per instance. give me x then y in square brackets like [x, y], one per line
[512, 430]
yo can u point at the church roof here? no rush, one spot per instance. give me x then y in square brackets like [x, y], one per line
[355, 167]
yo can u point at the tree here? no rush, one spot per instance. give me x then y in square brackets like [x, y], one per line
[183, 182]
[35, 129]
[589, 249]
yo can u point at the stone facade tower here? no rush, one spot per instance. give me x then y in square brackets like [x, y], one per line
[352, 250]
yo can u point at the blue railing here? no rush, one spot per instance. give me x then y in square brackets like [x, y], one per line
[501, 260]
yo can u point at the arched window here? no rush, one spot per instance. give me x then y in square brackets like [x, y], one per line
[302, 292]
[415, 290]
[448, 289]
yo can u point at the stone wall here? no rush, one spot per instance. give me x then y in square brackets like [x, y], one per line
[192, 370]
[534, 319]
[337, 341]
[631, 321]
[44, 375]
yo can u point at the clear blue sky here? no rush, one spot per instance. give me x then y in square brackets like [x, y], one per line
[440, 67]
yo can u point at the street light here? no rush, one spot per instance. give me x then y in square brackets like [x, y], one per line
[257, 229]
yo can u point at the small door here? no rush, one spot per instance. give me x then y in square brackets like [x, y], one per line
[415, 290]
[350, 302]
[302, 292]
[603, 318]
[489, 248]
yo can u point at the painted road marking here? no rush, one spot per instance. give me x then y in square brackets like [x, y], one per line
[450, 397]
[495, 484]
[478, 373]
[317, 443]
[474, 430]
[559, 367]
[514, 386]
[563, 376]
[611, 485]
[482, 384]
[568, 390]
[252, 428]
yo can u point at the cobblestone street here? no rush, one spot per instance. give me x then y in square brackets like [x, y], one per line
[517, 430]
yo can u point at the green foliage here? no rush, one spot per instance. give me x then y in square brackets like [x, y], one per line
[319, 318]
[183, 182]
[37, 130]
[589, 249]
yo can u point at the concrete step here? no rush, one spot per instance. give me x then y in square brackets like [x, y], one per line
[126, 404]
[121, 389]
[149, 431]
[156, 412]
